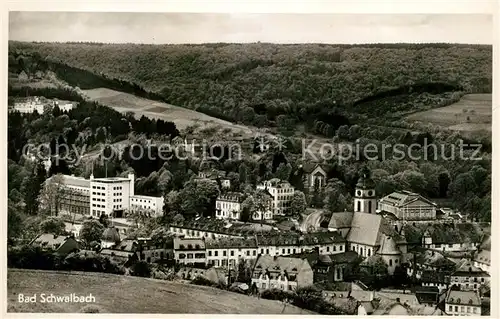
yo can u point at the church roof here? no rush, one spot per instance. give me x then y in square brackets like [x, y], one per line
[341, 220]
[310, 167]
[388, 246]
[369, 229]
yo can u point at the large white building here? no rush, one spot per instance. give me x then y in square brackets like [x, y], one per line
[30, 106]
[281, 192]
[228, 205]
[110, 196]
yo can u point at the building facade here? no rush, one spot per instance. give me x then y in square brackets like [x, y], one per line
[190, 251]
[408, 206]
[282, 273]
[281, 192]
[462, 303]
[228, 206]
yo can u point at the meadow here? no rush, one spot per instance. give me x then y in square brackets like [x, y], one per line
[126, 294]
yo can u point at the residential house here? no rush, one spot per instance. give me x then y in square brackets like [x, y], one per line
[328, 268]
[314, 176]
[264, 207]
[206, 228]
[281, 192]
[430, 266]
[283, 273]
[469, 277]
[145, 249]
[325, 243]
[190, 251]
[450, 237]
[229, 252]
[228, 205]
[462, 303]
[482, 258]
[435, 279]
[408, 206]
[61, 245]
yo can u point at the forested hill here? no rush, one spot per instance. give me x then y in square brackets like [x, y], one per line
[255, 83]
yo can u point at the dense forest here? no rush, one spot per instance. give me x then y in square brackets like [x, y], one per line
[334, 90]
[268, 84]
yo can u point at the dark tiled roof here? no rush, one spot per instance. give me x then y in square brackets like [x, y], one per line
[341, 220]
[429, 276]
[463, 298]
[231, 243]
[293, 239]
[189, 244]
[345, 257]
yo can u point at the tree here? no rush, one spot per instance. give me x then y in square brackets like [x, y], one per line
[15, 221]
[53, 225]
[298, 203]
[283, 171]
[243, 172]
[32, 187]
[91, 231]
[178, 219]
[51, 195]
[198, 197]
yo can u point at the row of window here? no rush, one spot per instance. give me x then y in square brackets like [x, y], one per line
[117, 188]
[117, 194]
[99, 205]
[98, 187]
[281, 286]
[463, 309]
[116, 200]
[192, 256]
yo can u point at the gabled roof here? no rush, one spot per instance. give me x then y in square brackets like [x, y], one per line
[310, 167]
[231, 243]
[341, 220]
[75, 181]
[467, 268]
[483, 257]
[458, 297]
[278, 264]
[50, 240]
[364, 229]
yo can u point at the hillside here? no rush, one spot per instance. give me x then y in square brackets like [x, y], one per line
[255, 83]
[136, 295]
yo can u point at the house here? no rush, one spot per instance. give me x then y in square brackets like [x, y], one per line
[469, 277]
[482, 258]
[61, 245]
[408, 206]
[283, 273]
[264, 208]
[450, 237]
[314, 176]
[281, 192]
[325, 243]
[328, 268]
[436, 267]
[229, 252]
[145, 249]
[427, 295]
[462, 303]
[205, 228]
[110, 237]
[190, 251]
[228, 205]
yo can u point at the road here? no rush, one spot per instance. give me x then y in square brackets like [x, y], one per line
[312, 221]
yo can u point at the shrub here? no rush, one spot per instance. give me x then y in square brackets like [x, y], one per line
[140, 269]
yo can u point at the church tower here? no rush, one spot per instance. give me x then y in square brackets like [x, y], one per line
[364, 195]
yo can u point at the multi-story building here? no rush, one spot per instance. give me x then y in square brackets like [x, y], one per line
[229, 252]
[74, 195]
[190, 251]
[111, 196]
[228, 205]
[145, 249]
[205, 228]
[408, 206]
[469, 277]
[462, 303]
[326, 243]
[30, 105]
[283, 273]
[281, 192]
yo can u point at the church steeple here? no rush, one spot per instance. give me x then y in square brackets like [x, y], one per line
[364, 196]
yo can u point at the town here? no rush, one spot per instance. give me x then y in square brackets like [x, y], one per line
[247, 178]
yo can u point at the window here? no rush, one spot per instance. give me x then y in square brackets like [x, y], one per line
[254, 252]
[232, 252]
[210, 253]
[390, 262]
[450, 308]
[224, 253]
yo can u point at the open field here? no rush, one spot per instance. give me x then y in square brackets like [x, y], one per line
[126, 294]
[471, 113]
[124, 102]
[34, 83]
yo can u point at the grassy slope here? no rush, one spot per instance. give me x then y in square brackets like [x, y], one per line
[125, 294]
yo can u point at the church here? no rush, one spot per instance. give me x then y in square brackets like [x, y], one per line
[366, 232]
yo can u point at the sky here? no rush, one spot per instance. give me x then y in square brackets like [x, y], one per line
[161, 28]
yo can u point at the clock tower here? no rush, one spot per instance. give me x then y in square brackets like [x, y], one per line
[364, 195]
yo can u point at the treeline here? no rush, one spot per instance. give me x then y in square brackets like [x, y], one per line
[255, 83]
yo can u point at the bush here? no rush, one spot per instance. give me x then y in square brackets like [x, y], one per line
[140, 269]
[276, 294]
